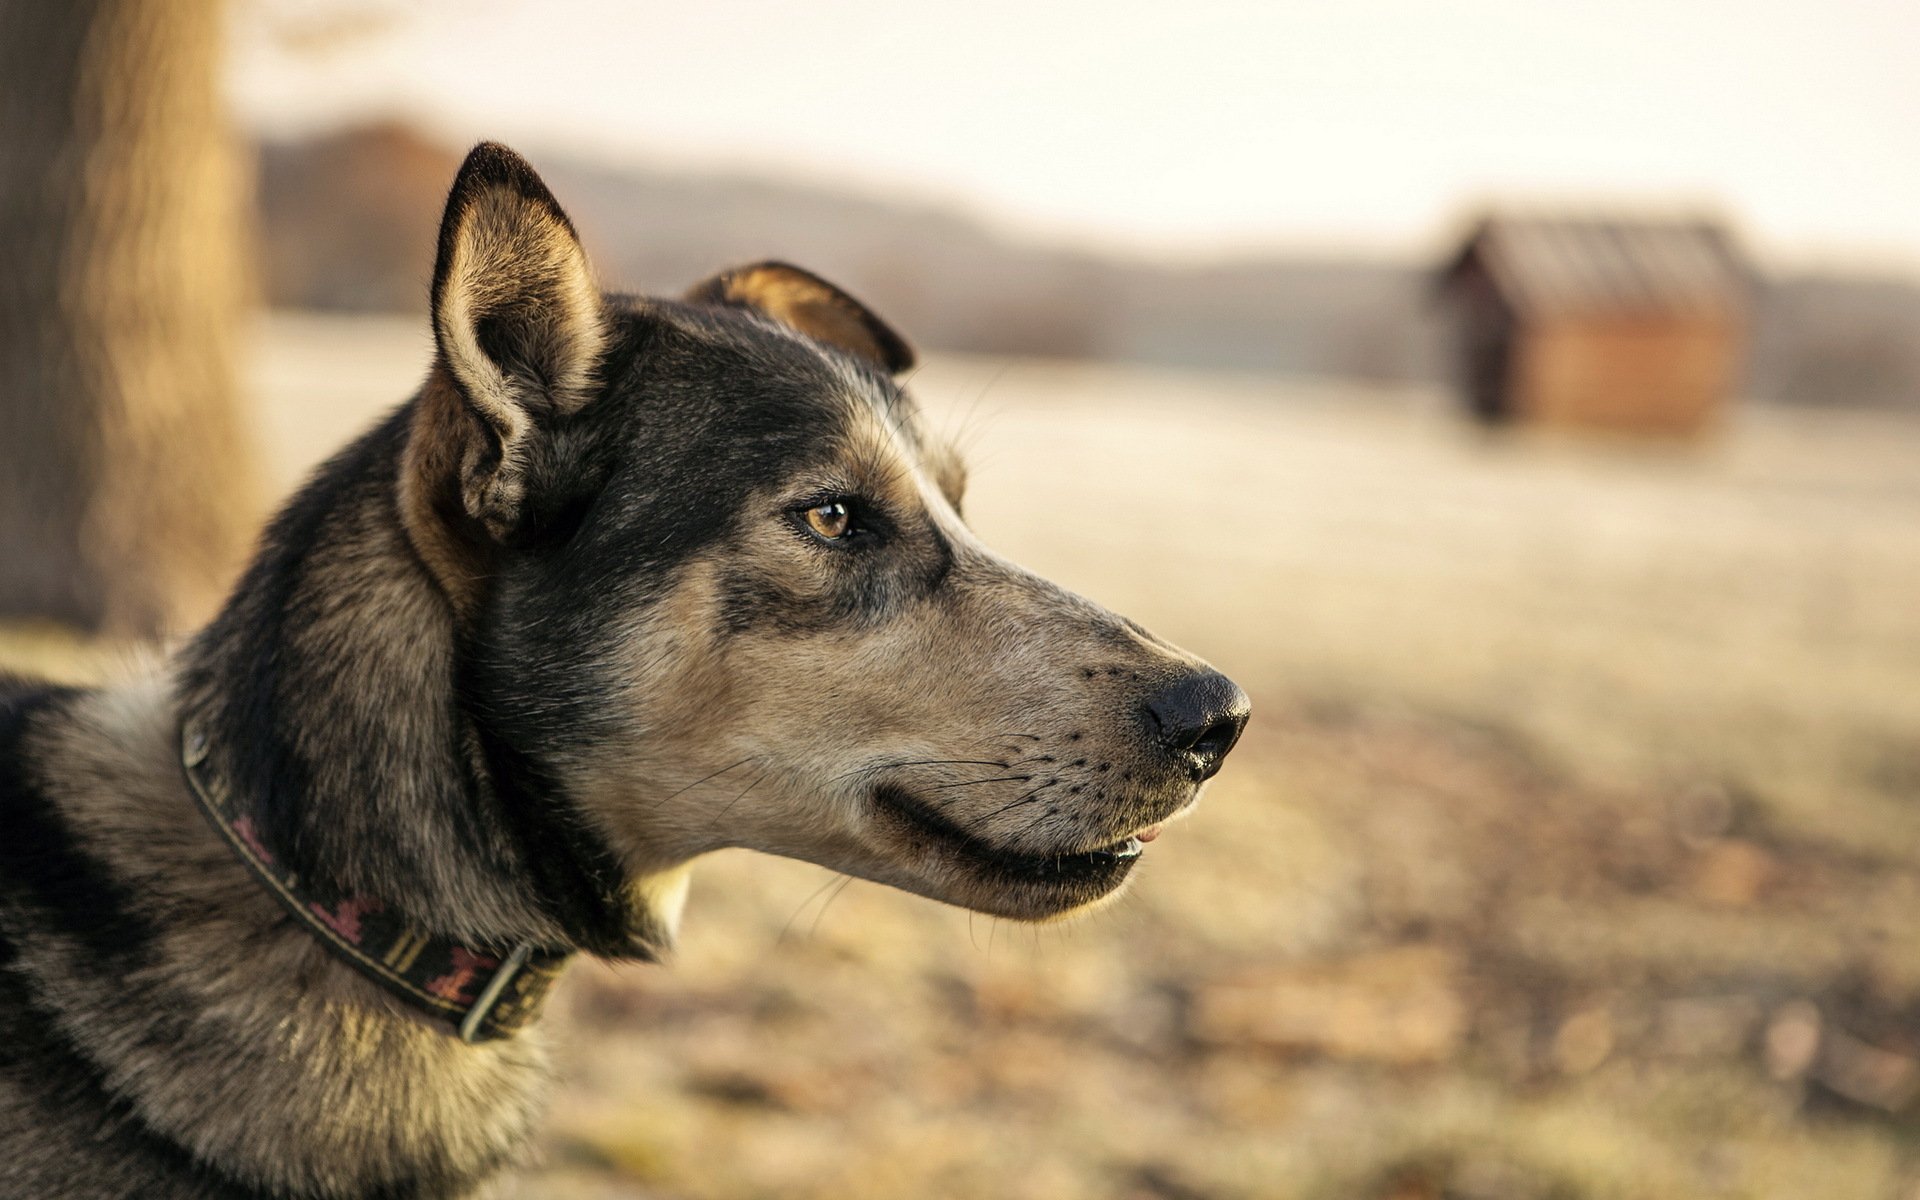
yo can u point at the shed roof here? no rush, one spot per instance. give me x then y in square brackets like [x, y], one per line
[1579, 264]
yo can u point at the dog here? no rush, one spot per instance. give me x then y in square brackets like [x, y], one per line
[625, 582]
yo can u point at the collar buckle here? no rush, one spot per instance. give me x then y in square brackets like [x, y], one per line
[470, 1025]
[431, 973]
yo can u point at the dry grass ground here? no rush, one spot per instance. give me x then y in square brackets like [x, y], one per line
[1574, 851]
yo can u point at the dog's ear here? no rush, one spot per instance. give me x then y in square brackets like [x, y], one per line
[811, 305]
[517, 322]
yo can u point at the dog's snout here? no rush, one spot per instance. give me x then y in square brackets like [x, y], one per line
[1199, 717]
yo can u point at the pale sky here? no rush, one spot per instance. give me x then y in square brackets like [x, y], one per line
[1189, 127]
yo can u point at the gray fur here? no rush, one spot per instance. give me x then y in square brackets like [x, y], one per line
[487, 666]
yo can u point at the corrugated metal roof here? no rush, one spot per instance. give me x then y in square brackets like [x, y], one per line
[1571, 264]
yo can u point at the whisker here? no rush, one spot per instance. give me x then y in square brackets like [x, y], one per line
[920, 762]
[717, 774]
[846, 881]
[743, 794]
[941, 787]
[1029, 798]
[964, 427]
[815, 894]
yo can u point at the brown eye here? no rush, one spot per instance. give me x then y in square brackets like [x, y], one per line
[831, 520]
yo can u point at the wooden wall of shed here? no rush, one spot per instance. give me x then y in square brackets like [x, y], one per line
[1664, 375]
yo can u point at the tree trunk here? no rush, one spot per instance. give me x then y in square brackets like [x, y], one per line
[126, 495]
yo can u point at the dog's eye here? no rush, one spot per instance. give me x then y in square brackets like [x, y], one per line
[830, 521]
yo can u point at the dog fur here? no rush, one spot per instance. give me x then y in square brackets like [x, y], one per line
[579, 612]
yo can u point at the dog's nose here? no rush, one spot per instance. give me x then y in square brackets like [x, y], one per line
[1199, 717]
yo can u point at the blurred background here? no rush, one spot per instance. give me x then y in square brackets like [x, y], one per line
[1521, 400]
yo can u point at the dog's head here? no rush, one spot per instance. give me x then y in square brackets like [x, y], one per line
[716, 590]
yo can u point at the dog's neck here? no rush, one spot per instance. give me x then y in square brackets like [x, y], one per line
[481, 993]
[329, 688]
[328, 694]
[238, 1039]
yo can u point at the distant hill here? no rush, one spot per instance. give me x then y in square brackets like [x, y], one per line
[348, 223]
[1838, 340]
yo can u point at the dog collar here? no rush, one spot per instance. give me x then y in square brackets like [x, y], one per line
[482, 996]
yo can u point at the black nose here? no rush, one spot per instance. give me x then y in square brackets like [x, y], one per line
[1199, 717]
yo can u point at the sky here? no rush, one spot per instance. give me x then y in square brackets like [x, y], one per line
[1190, 128]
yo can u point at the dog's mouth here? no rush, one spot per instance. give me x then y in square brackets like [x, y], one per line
[1087, 873]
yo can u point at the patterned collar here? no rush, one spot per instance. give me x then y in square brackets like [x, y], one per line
[480, 995]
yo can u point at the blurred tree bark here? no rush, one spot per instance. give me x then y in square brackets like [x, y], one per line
[126, 496]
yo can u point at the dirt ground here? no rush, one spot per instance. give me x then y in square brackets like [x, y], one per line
[1573, 851]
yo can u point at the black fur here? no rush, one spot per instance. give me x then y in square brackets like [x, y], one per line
[256, 668]
[111, 1151]
[44, 871]
[615, 504]
[401, 737]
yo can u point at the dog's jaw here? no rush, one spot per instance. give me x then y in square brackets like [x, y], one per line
[957, 866]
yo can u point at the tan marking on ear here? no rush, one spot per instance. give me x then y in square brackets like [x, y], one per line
[810, 308]
[511, 254]
[809, 304]
[513, 261]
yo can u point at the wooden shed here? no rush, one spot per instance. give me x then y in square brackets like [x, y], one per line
[1637, 326]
